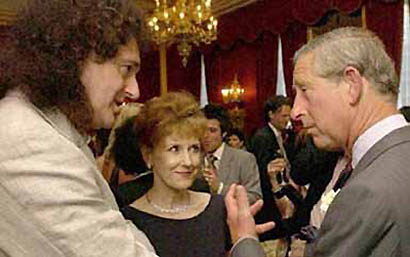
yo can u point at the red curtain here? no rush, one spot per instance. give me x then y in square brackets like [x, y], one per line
[385, 18]
[148, 77]
[293, 38]
[310, 11]
[246, 60]
[178, 77]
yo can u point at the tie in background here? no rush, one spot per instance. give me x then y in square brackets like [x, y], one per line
[204, 93]
[211, 161]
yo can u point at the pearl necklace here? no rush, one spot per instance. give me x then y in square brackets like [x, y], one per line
[168, 211]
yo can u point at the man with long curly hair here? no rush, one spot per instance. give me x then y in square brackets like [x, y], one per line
[68, 68]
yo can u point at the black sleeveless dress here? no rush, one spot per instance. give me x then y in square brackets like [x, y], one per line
[205, 235]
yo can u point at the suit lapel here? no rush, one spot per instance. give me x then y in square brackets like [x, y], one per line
[225, 163]
[272, 135]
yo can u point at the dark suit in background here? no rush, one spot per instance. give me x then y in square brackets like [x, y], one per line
[265, 147]
[314, 167]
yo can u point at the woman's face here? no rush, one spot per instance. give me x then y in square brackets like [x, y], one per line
[175, 161]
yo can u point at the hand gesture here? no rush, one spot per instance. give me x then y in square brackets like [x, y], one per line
[240, 214]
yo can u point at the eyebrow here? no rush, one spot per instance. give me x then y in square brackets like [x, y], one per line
[298, 82]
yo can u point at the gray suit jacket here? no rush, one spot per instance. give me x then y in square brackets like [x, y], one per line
[370, 217]
[53, 200]
[247, 247]
[236, 166]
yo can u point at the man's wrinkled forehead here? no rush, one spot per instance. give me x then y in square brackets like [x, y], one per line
[303, 70]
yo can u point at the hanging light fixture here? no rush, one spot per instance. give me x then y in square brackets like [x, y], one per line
[184, 22]
[233, 93]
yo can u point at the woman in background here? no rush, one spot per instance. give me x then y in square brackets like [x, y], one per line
[179, 222]
[236, 139]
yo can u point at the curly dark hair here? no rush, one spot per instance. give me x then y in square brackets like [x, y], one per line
[50, 41]
[237, 132]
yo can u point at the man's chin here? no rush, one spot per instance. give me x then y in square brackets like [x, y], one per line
[325, 143]
[104, 124]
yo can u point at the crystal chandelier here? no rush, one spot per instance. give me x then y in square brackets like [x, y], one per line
[184, 22]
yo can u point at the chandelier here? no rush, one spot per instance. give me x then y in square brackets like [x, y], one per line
[234, 92]
[184, 22]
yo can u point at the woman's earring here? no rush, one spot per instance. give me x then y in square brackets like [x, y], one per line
[149, 167]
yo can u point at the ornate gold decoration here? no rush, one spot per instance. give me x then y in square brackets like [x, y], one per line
[234, 92]
[184, 22]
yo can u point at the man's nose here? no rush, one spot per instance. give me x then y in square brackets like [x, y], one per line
[297, 109]
[131, 89]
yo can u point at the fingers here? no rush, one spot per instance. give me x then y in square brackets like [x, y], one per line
[209, 172]
[242, 198]
[276, 165]
[262, 228]
[256, 207]
[277, 161]
[230, 200]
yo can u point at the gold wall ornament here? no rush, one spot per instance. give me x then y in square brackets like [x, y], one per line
[184, 22]
[234, 92]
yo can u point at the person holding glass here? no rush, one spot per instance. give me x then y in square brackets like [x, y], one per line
[178, 221]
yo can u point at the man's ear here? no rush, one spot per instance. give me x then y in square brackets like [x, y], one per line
[270, 113]
[355, 83]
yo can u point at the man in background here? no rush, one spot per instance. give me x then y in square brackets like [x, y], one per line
[346, 95]
[225, 165]
[268, 146]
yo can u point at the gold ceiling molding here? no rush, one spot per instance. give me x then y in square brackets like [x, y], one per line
[7, 17]
[8, 8]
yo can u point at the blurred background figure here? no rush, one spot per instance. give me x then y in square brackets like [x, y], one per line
[169, 129]
[269, 147]
[222, 164]
[236, 139]
[121, 163]
[106, 161]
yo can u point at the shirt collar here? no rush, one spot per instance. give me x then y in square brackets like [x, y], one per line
[375, 133]
[275, 131]
[218, 152]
